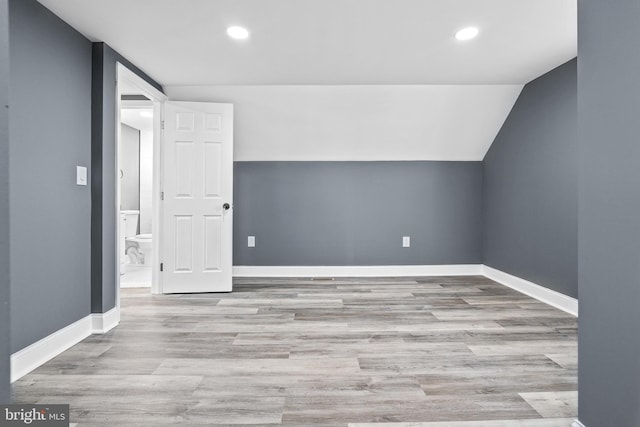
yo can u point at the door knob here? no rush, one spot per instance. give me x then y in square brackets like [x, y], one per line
[226, 206]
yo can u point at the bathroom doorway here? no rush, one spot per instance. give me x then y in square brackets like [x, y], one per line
[138, 121]
[136, 191]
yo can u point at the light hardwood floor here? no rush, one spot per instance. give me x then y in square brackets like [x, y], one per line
[418, 352]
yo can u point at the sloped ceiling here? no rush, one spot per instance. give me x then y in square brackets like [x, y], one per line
[315, 54]
[343, 123]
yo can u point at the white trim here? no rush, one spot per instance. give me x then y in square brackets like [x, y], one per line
[158, 98]
[577, 423]
[156, 220]
[358, 271]
[135, 286]
[548, 296]
[40, 352]
[103, 322]
[122, 72]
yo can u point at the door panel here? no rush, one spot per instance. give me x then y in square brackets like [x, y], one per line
[197, 183]
[184, 243]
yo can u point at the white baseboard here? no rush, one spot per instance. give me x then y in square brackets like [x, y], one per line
[548, 296]
[358, 271]
[40, 352]
[104, 322]
[29, 358]
[135, 285]
[577, 423]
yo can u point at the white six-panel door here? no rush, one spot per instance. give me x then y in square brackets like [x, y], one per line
[197, 209]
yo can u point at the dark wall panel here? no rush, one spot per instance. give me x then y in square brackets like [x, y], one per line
[609, 209]
[103, 159]
[5, 331]
[50, 129]
[531, 185]
[355, 213]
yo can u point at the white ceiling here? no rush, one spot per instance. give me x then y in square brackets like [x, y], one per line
[368, 123]
[331, 42]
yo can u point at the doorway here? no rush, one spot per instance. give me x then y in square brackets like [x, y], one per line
[138, 167]
[190, 211]
[136, 191]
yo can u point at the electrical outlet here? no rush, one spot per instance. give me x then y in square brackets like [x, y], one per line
[251, 241]
[406, 241]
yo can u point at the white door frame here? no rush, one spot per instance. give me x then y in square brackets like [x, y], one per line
[125, 76]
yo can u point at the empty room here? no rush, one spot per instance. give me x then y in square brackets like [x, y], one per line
[354, 213]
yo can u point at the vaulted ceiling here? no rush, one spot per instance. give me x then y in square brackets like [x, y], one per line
[465, 89]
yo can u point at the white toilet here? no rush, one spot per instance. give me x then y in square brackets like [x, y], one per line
[137, 248]
[128, 228]
[140, 249]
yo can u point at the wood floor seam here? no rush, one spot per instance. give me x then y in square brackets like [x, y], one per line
[351, 352]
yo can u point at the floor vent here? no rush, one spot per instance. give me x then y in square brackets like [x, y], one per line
[323, 279]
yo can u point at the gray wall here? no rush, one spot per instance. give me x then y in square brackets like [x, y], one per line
[531, 185]
[130, 168]
[609, 210]
[50, 96]
[5, 331]
[355, 213]
[103, 174]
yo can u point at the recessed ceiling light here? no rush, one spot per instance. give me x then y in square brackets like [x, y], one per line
[146, 113]
[467, 33]
[238, 33]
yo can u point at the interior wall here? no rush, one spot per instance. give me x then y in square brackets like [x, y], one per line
[5, 319]
[531, 185]
[104, 162]
[146, 181]
[609, 209]
[360, 122]
[50, 98]
[130, 168]
[336, 175]
[356, 213]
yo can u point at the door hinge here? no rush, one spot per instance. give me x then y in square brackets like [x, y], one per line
[161, 266]
[162, 124]
[162, 195]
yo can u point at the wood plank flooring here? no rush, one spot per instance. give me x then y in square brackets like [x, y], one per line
[374, 352]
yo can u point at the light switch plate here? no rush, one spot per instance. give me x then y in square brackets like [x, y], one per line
[81, 175]
[251, 241]
[406, 241]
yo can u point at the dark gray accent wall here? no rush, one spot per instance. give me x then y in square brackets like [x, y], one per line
[609, 213]
[355, 213]
[5, 331]
[531, 185]
[103, 175]
[50, 98]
